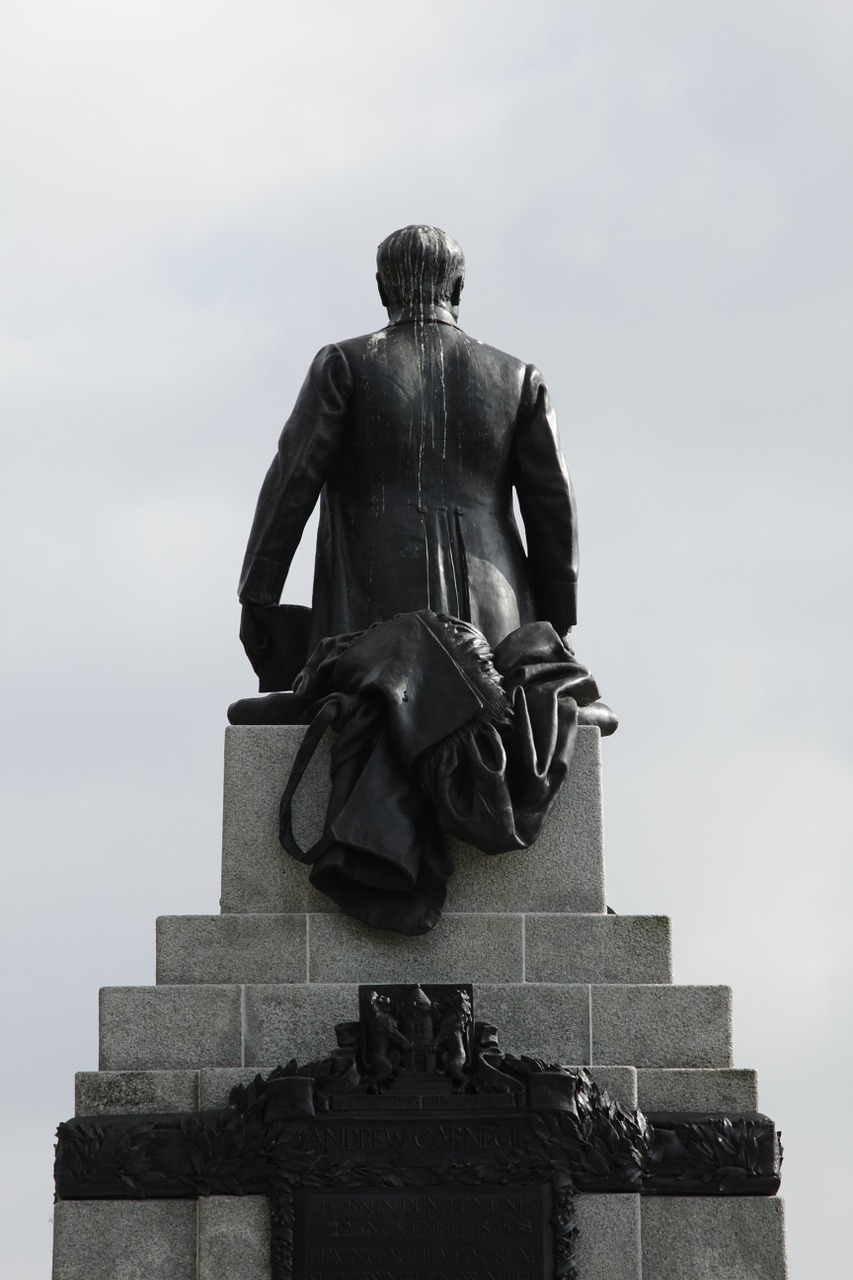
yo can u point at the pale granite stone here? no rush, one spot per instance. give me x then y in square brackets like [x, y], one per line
[234, 1238]
[620, 1083]
[257, 874]
[550, 1022]
[662, 1026]
[215, 1083]
[713, 1238]
[124, 1240]
[597, 948]
[296, 1021]
[608, 1245]
[283, 1022]
[483, 948]
[728, 1090]
[563, 870]
[162, 1028]
[111, 1093]
[232, 948]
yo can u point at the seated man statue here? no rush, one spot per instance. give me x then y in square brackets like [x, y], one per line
[414, 439]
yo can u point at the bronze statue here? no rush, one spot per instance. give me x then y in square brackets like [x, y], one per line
[436, 648]
[413, 439]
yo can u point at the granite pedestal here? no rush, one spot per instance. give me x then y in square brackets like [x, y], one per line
[267, 979]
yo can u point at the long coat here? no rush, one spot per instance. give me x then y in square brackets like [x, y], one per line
[413, 438]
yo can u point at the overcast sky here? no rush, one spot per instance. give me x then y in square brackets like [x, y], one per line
[654, 201]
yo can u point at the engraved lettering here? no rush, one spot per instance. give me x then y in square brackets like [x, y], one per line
[447, 1233]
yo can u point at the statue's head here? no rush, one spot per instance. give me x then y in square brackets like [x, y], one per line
[420, 267]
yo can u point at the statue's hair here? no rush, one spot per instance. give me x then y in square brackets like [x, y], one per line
[419, 264]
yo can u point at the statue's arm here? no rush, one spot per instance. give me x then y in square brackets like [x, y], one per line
[307, 451]
[547, 503]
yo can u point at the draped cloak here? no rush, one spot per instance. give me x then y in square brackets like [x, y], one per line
[435, 736]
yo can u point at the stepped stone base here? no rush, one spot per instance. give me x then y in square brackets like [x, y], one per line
[487, 946]
[169, 1027]
[652, 1089]
[137, 1092]
[620, 1237]
[266, 981]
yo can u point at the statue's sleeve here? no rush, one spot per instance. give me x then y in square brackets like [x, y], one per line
[307, 451]
[547, 503]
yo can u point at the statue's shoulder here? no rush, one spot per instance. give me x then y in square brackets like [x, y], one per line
[501, 365]
[342, 360]
[355, 348]
[338, 362]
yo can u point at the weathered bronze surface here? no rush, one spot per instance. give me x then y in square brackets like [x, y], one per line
[413, 439]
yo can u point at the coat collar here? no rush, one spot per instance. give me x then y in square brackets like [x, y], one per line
[435, 313]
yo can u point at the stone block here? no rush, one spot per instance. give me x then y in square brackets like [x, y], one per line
[257, 874]
[562, 871]
[662, 1026]
[620, 1083]
[687, 1089]
[469, 948]
[608, 1243]
[124, 1240]
[163, 1028]
[232, 948]
[215, 1083]
[713, 1238]
[597, 948]
[283, 1022]
[113, 1093]
[543, 1021]
[296, 1021]
[234, 1238]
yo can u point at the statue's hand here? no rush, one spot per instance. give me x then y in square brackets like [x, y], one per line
[253, 631]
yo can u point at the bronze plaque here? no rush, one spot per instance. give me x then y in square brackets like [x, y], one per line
[424, 1233]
